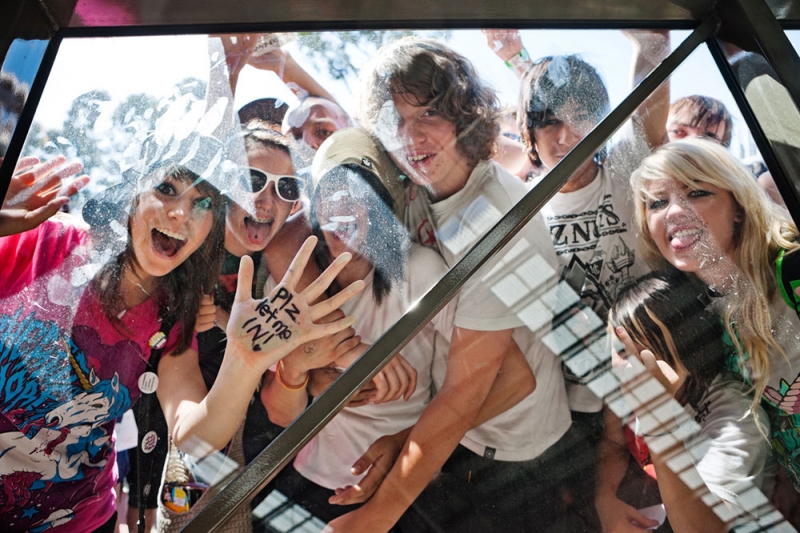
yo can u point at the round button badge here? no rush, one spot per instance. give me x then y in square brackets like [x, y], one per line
[149, 441]
[157, 340]
[148, 382]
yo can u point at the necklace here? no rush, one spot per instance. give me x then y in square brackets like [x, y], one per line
[133, 282]
[140, 287]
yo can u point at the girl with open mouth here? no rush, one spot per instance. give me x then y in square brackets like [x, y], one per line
[700, 210]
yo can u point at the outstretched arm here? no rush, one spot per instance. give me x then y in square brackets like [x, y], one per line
[475, 358]
[227, 55]
[650, 47]
[513, 383]
[507, 45]
[291, 72]
[260, 333]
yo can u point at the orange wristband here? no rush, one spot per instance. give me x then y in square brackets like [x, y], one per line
[283, 383]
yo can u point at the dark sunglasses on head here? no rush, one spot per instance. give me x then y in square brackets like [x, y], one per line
[289, 188]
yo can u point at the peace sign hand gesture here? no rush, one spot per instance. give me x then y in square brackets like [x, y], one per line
[264, 331]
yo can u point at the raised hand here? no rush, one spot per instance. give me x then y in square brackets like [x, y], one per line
[264, 331]
[376, 462]
[322, 378]
[321, 352]
[397, 379]
[658, 368]
[505, 43]
[37, 191]
[238, 50]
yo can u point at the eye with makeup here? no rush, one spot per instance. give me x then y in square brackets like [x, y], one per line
[166, 188]
[654, 204]
[699, 193]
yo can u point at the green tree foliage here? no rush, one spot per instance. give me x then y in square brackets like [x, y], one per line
[342, 54]
[104, 135]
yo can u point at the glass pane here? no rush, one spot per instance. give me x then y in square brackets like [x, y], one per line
[202, 150]
[16, 76]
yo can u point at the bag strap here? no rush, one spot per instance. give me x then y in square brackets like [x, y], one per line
[787, 273]
[147, 405]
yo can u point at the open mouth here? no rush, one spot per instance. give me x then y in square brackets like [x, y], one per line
[344, 227]
[684, 238]
[258, 228]
[418, 159]
[166, 242]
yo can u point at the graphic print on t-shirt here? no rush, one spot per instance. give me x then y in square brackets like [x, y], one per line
[596, 234]
[51, 392]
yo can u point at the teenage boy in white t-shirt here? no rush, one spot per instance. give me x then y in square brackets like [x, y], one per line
[438, 121]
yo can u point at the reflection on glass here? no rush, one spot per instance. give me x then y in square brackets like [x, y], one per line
[504, 411]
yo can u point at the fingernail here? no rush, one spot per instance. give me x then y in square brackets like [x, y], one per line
[356, 286]
[356, 470]
[620, 330]
[343, 258]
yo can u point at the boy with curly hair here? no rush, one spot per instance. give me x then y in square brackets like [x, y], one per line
[497, 469]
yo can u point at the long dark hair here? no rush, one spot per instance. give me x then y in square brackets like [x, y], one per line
[669, 313]
[180, 291]
[386, 245]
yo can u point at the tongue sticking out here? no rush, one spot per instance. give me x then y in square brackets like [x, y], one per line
[257, 231]
[684, 239]
[166, 244]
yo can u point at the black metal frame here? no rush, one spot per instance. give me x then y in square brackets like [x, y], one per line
[762, 34]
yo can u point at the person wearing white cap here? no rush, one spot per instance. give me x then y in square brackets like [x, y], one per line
[355, 196]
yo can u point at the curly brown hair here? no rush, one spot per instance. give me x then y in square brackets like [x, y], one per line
[429, 73]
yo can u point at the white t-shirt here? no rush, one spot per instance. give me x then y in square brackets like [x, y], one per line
[512, 291]
[731, 454]
[327, 459]
[594, 239]
[725, 449]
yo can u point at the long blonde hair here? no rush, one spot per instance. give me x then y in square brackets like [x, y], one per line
[758, 238]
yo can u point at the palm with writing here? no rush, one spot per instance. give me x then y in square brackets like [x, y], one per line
[263, 331]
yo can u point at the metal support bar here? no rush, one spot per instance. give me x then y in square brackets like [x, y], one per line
[270, 461]
[26, 118]
[775, 165]
[753, 21]
[773, 63]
